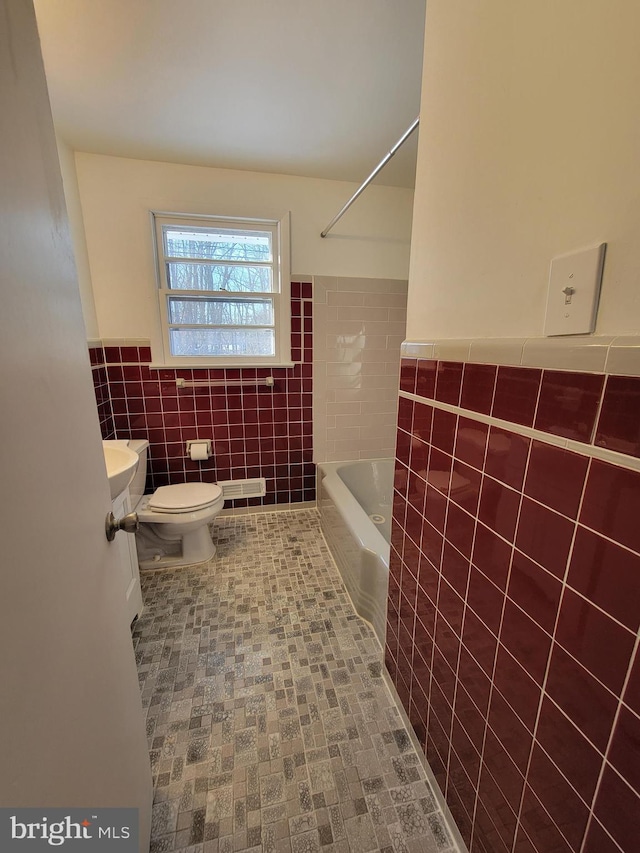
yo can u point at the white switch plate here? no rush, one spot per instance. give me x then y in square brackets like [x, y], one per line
[574, 313]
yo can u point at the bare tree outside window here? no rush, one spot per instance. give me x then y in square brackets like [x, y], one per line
[221, 291]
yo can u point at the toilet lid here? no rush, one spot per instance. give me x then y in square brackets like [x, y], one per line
[185, 497]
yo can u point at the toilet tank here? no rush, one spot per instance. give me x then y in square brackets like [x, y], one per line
[136, 489]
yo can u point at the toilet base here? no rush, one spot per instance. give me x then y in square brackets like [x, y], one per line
[156, 552]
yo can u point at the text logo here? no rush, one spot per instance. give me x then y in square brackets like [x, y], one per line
[78, 830]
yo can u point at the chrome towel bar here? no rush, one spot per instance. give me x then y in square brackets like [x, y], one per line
[224, 383]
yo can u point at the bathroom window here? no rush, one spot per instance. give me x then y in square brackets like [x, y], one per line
[224, 290]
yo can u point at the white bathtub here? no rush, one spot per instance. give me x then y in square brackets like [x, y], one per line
[355, 500]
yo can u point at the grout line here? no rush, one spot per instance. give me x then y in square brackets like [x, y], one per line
[589, 450]
[495, 659]
[433, 639]
[596, 420]
[545, 695]
[570, 785]
[538, 395]
[593, 818]
[435, 622]
[607, 752]
[577, 592]
[430, 663]
[493, 671]
[548, 664]
[464, 610]
[575, 520]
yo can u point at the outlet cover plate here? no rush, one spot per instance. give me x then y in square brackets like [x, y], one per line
[574, 313]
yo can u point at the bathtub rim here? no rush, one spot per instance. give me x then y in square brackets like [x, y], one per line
[365, 531]
[362, 579]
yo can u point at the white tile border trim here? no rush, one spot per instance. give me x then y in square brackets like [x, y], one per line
[589, 450]
[126, 342]
[618, 355]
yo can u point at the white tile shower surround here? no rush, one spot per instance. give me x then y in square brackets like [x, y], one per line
[271, 728]
[359, 326]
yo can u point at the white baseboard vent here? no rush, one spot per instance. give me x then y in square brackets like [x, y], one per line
[235, 489]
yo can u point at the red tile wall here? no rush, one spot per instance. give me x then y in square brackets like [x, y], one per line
[255, 431]
[514, 604]
[101, 389]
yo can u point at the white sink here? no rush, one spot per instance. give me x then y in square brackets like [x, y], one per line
[121, 463]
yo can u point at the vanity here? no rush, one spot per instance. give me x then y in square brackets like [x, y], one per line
[121, 463]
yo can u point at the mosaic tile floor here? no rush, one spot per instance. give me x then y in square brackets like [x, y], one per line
[270, 727]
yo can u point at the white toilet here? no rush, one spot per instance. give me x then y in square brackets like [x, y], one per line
[174, 520]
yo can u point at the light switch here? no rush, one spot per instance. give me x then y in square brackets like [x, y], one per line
[574, 290]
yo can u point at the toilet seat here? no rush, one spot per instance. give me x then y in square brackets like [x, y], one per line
[186, 497]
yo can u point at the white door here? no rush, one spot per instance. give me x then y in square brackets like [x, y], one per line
[71, 720]
[125, 543]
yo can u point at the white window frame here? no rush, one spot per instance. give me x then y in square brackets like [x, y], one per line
[281, 295]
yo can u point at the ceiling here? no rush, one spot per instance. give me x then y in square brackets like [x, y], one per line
[319, 89]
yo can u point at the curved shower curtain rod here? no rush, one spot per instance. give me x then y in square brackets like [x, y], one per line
[366, 183]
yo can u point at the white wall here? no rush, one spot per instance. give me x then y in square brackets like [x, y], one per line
[529, 148]
[372, 240]
[74, 211]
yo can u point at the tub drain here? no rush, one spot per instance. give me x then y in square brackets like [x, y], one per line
[377, 519]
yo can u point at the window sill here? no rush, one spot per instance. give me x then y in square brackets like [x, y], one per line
[156, 365]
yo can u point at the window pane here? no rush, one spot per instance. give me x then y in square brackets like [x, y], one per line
[221, 312]
[219, 277]
[224, 342]
[218, 244]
